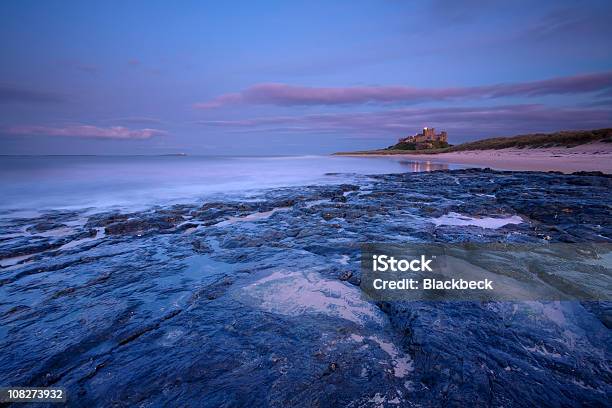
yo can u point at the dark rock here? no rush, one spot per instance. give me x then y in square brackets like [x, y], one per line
[201, 247]
[186, 226]
[102, 220]
[227, 310]
[45, 226]
[146, 224]
[346, 275]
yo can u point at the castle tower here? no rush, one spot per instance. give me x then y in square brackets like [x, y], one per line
[429, 133]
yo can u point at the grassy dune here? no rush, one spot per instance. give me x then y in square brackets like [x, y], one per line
[535, 140]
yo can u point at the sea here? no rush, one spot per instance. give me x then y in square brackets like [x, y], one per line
[37, 183]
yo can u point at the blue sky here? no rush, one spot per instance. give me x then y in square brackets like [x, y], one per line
[154, 77]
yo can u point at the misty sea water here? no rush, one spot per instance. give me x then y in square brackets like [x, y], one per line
[73, 182]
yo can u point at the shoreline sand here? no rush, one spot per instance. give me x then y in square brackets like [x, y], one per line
[587, 157]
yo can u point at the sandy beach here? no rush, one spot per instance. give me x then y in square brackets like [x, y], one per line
[587, 157]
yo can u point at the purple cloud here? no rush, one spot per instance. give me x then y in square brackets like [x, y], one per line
[86, 131]
[463, 121]
[289, 95]
[137, 120]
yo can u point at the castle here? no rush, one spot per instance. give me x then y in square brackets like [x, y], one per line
[427, 139]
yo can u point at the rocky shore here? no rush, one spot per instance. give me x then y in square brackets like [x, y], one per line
[256, 302]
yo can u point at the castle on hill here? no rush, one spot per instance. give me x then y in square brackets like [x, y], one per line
[426, 140]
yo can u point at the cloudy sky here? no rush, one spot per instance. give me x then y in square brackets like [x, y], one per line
[289, 77]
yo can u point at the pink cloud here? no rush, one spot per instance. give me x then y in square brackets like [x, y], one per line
[288, 95]
[227, 99]
[86, 131]
[467, 121]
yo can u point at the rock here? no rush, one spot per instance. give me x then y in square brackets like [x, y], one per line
[140, 226]
[104, 219]
[266, 311]
[201, 247]
[45, 226]
[345, 275]
[187, 226]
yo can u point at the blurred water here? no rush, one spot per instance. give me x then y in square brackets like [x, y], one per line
[63, 182]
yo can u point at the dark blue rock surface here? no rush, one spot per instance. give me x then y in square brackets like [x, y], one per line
[256, 302]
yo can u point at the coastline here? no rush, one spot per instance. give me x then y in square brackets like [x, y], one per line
[252, 275]
[586, 157]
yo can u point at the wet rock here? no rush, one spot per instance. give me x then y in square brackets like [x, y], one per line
[169, 216]
[346, 275]
[140, 226]
[288, 202]
[108, 310]
[102, 220]
[201, 247]
[45, 226]
[354, 280]
[187, 226]
[27, 246]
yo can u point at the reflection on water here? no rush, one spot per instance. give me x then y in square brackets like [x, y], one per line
[420, 166]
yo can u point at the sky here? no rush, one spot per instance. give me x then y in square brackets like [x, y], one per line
[293, 77]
